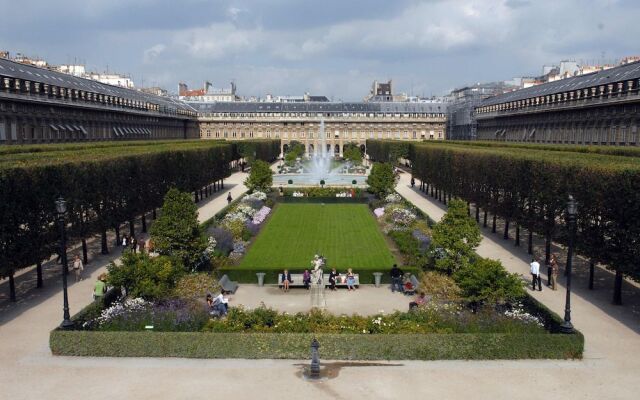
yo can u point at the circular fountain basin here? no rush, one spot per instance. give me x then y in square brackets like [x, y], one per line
[340, 180]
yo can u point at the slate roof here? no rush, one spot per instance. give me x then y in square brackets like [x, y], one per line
[621, 73]
[13, 69]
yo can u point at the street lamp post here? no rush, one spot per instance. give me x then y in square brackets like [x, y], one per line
[61, 209]
[572, 210]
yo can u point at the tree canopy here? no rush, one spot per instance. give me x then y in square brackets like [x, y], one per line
[381, 180]
[260, 177]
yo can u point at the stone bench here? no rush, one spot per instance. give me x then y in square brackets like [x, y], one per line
[227, 284]
[298, 281]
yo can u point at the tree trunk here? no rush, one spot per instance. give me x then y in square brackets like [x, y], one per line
[85, 258]
[484, 223]
[39, 274]
[617, 289]
[222, 183]
[477, 214]
[505, 236]
[195, 194]
[143, 219]
[12, 288]
[153, 215]
[517, 235]
[117, 229]
[468, 208]
[132, 228]
[592, 268]
[493, 226]
[104, 248]
[530, 242]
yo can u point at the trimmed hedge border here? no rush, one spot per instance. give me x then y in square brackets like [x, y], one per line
[463, 346]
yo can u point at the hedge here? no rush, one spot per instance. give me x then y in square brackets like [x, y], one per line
[494, 346]
[245, 275]
[529, 187]
[105, 184]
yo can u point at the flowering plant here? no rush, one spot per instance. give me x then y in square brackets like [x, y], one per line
[402, 217]
[257, 195]
[261, 215]
[392, 198]
[119, 309]
[379, 212]
[246, 210]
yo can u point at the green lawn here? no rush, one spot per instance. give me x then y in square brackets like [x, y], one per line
[346, 234]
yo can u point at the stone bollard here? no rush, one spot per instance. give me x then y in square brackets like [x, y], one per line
[314, 371]
[378, 278]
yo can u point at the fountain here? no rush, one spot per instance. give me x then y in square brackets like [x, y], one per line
[320, 169]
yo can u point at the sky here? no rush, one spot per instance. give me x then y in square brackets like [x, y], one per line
[331, 47]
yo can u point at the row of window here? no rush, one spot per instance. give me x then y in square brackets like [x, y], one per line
[304, 114]
[363, 135]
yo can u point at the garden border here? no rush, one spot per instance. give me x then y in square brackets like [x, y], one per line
[459, 346]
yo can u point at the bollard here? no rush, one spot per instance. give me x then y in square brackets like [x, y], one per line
[314, 371]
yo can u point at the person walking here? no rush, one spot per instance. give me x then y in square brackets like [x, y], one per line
[78, 267]
[229, 198]
[553, 278]
[552, 261]
[396, 279]
[535, 274]
[125, 242]
[100, 287]
[413, 182]
[134, 244]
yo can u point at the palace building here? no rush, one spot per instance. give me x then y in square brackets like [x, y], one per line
[600, 108]
[38, 105]
[343, 122]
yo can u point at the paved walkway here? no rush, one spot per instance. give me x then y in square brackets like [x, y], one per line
[366, 300]
[609, 371]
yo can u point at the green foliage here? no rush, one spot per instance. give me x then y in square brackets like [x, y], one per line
[352, 153]
[457, 235]
[388, 150]
[194, 287]
[487, 282]
[454, 346]
[177, 232]
[260, 177]
[258, 149]
[146, 277]
[409, 246]
[381, 180]
[439, 286]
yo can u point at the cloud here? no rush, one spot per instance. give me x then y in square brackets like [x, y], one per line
[151, 54]
[334, 48]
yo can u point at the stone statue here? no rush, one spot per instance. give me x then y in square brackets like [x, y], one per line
[317, 284]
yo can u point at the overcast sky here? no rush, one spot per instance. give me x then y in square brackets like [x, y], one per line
[330, 47]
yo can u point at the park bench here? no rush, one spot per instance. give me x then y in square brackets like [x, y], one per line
[228, 285]
[298, 282]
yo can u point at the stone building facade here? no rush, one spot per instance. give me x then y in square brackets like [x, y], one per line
[601, 108]
[343, 122]
[42, 106]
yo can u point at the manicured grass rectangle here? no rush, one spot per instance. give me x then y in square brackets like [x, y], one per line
[346, 234]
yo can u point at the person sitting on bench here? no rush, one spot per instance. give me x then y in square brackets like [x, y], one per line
[306, 279]
[286, 280]
[419, 301]
[332, 279]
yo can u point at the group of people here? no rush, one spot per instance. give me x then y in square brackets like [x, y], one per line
[349, 278]
[135, 245]
[219, 305]
[400, 281]
[552, 273]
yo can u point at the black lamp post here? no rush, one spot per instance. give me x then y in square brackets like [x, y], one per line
[61, 209]
[572, 210]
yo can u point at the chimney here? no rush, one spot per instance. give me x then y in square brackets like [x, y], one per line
[182, 89]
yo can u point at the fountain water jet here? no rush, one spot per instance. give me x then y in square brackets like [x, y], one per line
[321, 160]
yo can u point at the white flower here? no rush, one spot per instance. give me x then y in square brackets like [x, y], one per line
[393, 198]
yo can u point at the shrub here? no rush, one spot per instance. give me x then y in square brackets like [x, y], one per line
[260, 177]
[381, 180]
[409, 246]
[146, 277]
[456, 236]
[441, 287]
[487, 282]
[176, 232]
[173, 315]
[194, 287]
[224, 240]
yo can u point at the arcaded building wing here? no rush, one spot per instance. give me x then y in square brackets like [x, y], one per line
[598, 108]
